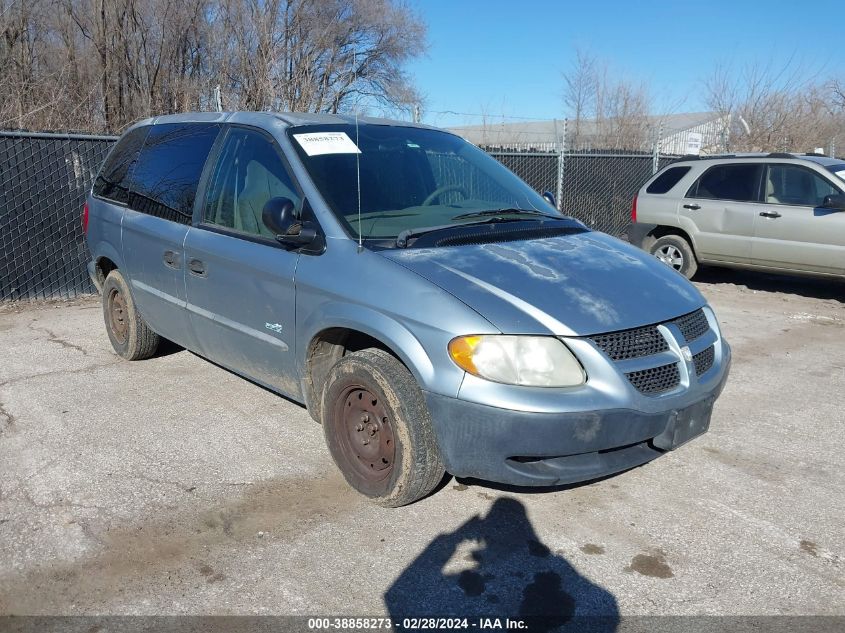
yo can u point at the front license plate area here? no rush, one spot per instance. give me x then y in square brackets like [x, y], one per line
[686, 424]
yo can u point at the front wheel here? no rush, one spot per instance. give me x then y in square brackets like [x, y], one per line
[378, 429]
[675, 251]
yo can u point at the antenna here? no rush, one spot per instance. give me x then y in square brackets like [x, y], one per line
[358, 174]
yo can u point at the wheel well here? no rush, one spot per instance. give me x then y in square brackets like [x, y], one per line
[324, 350]
[104, 267]
[662, 231]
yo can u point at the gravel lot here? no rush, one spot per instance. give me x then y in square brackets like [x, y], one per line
[173, 486]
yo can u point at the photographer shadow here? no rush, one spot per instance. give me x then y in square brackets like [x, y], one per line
[496, 567]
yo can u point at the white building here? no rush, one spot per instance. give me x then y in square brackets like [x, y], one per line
[677, 133]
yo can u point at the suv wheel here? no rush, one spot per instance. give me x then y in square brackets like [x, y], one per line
[378, 429]
[130, 336]
[675, 251]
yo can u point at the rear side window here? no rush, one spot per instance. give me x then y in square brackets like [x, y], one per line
[739, 182]
[166, 175]
[668, 179]
[112, 182]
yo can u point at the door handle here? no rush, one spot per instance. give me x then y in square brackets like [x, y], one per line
[197, 267]
[770, 214]
[694, 207]
[171, 259]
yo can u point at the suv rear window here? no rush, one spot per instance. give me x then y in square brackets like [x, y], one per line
[166, 175]
[739, 182]
[668, 179]
[112, 182]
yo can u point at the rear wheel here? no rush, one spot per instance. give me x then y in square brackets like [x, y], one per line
[378, 429]
[130, 336]
[675, 251]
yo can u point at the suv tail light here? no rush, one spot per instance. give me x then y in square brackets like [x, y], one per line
[85, 218]
[634, 209]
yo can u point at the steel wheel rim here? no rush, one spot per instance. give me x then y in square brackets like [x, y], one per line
[671, 256]
[118, 321]
[364, 434]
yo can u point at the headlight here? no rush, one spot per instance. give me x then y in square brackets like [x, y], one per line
[536, 361]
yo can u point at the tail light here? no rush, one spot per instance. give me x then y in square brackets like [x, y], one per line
[634, 209]
[85, 218]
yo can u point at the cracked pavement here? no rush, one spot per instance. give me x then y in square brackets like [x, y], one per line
[172, 486]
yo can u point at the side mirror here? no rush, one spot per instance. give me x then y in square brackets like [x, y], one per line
[549, 197]
[279, 215]
[835, 202]
[298, 235]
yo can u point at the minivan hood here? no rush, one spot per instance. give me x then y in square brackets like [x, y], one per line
[570, 285]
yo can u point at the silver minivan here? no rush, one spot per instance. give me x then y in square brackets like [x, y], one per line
[430, 310]
[778, 212]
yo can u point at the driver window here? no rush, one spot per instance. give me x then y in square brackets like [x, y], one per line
[248, 173]
[790, 184]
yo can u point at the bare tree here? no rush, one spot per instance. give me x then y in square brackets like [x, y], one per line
[101, 64]
[604, 111]
[774, 108]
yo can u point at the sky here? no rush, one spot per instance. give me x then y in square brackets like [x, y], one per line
[506, 57]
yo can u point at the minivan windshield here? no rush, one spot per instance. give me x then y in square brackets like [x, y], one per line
[838, 170]
[407, 179]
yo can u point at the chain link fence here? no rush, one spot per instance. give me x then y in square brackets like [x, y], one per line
[596, 187]
[44, 179]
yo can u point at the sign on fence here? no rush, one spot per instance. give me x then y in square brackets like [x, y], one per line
[694, 140]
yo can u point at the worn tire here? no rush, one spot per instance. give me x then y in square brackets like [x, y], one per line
[670, 245]
[360, 430]
[130, 336]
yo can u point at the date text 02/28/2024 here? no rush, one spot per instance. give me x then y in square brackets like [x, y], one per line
[414, 624]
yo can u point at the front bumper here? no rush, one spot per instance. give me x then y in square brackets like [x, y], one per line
[545, 449]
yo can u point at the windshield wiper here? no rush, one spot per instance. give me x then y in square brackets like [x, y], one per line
[498, 212]
[407, 234]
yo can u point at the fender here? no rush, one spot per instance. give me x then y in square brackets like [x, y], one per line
[381, 327]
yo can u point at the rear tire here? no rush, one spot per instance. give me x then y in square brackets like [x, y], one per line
[378, 429]
[676, 252]
[129, 334]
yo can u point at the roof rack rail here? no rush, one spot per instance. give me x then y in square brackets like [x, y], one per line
[780, 155]
[815, 154]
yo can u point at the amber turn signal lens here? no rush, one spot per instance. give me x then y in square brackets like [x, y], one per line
[461, 349]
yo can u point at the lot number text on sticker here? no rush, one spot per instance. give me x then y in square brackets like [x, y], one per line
[318, 143]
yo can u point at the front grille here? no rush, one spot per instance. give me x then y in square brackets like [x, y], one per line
[643, 341]
[704, 360]
[692, 325]
[647, 341]
[655, 379]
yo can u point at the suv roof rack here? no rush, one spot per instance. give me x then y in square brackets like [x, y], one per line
[749, 155]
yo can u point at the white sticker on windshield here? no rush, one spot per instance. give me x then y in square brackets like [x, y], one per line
[318, 143]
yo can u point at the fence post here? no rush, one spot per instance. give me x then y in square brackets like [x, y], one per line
[655, 160]
[561, 151]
